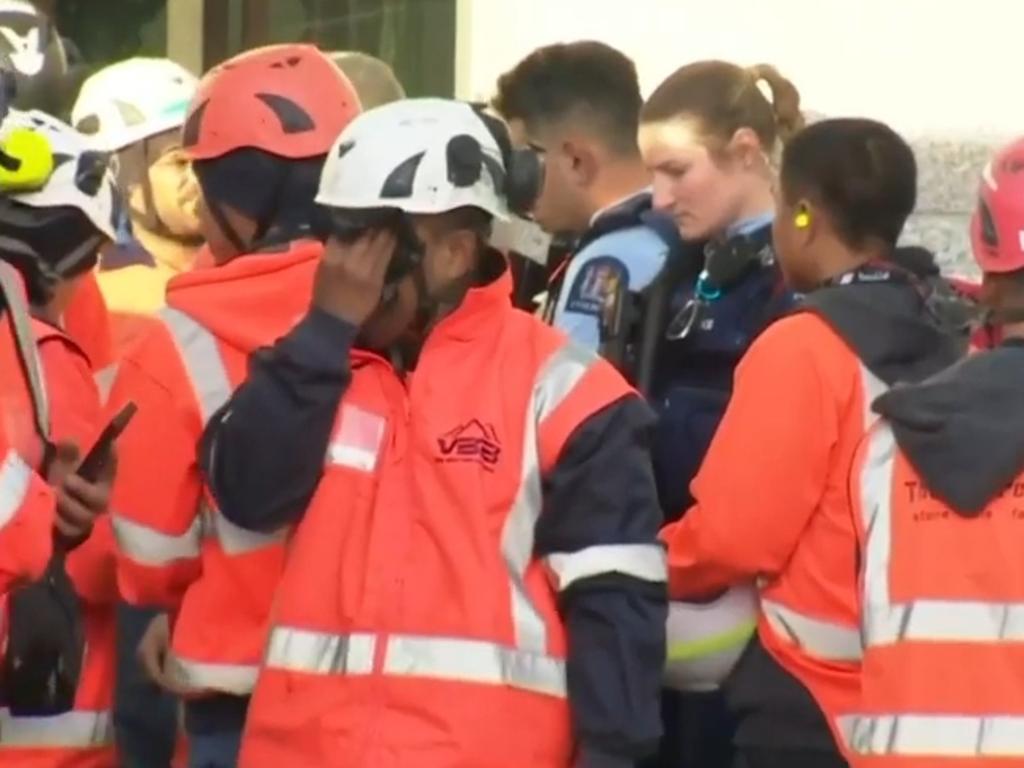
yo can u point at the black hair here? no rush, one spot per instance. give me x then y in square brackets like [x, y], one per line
[468, 217]
[46, 245]
[588, 82]
[861, 172]
[277, 193]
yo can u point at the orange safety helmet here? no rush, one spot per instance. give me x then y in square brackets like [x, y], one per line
[286, 100]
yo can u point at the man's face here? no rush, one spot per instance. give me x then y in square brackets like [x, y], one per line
[175, 192]
[562, 206]
[448, 256]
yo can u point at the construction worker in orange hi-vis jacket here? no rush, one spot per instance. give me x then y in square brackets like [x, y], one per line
[771, 496]
[52, 236]
[257, 132]
[936, 489]
[474, 578]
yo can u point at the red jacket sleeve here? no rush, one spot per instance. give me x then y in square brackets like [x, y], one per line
[157, 495]
[76, 417]
[766, 469]
[75, 411]
[26, 508]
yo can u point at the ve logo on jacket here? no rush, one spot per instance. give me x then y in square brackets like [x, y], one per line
[473, 441]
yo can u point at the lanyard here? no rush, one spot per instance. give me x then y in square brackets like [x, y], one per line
[872, 273]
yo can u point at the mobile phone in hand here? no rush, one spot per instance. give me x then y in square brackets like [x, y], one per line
[98, 456]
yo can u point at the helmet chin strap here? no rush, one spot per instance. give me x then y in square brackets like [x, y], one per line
[225, 227]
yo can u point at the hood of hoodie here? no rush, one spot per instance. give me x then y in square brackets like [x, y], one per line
[893, 328]
[252, 300]
[963, 429]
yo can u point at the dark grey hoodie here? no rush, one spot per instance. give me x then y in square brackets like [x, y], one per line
[963, 429]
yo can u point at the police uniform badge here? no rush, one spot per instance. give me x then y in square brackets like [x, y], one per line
[597, 288]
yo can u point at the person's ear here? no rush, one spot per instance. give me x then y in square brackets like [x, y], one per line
[583, 162]
[745, 147]
[802, 217]
[806, 221]
[457, 255]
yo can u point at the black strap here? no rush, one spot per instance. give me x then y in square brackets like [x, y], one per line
[269, 215]
[225, 226]
[28, 353]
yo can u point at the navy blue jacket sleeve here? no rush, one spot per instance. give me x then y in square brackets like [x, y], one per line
[263, 453]
[598, 535]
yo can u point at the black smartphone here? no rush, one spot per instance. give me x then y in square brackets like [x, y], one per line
[99, 454]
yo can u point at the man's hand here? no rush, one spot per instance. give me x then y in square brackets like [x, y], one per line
[79, 502]
[152, 654]
[350, 276]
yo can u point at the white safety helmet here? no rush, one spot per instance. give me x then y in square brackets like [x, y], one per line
[132, 100]
[426, 156]
[705, 640]
[81, 177]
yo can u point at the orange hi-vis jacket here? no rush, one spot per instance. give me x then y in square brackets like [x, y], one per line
[83, 737]
[811, 407]
[175, 548]
[942, 621]
[87, 321]
[773, 502]
[26, 501]
[414, 625]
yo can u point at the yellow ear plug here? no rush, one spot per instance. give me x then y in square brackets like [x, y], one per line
[802, 220]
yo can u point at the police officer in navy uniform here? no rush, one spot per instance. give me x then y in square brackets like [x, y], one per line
[707, 135]
[579, 105]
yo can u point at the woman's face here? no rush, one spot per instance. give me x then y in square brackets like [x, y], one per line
[704, 193]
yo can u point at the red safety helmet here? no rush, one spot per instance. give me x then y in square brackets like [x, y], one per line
[997, 229]
[286, 100]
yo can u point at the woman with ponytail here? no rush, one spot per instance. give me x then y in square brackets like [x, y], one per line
[708, 135]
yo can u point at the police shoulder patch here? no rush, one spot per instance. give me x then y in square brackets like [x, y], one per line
[596, 285]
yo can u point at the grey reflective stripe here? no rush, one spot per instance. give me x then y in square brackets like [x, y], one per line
[956, 621]
[320, 653]
[154, 548]
[105, 380]
[15, 478]
[72, 730]
[239, 679]
[474, 661]
[555, 380]
[641, 561]
[212, 387]
[233, 539]
[438, 658]
[830, 641]
[935, 620]
[150, 547]
[822, 639]
[202, 359]
[872, 387]
[886, 622]
[937, 736]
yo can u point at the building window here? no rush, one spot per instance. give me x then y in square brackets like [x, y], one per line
[416, 37]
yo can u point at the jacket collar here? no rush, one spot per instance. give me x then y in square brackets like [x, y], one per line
[482, 308]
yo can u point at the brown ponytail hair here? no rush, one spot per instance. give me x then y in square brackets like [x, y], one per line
[725, 97]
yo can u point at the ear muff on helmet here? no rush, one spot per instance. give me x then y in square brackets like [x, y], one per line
[524, 168]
